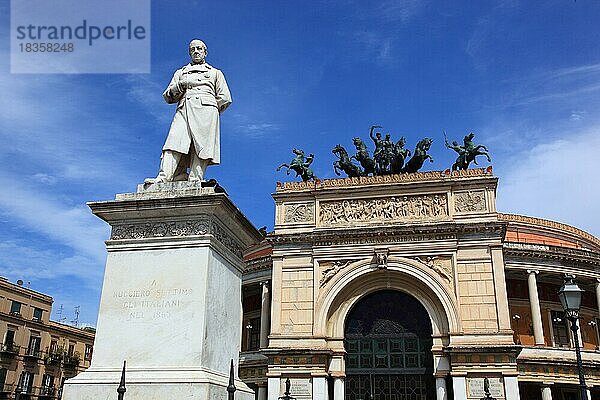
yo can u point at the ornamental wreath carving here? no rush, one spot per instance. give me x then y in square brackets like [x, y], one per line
[392, 209]
[176, 229]
[296, 213]
[472, 201]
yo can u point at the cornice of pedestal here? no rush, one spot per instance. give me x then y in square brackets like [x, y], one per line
[162, 216]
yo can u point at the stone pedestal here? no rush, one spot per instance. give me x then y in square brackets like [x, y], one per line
[171, 303]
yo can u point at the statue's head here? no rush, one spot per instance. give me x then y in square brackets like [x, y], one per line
[402, 141]
[425, 144]
[469, 137]
[378, 135]
[387, 136]
[454, 143]
[198, 51]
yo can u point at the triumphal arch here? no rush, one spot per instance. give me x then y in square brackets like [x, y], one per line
[390, 284]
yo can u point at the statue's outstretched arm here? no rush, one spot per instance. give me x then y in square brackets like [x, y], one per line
[373, 127]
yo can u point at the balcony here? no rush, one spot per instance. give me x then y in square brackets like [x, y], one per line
[32, 355]
[25, 392]
[9, 350]
[47, 392]
[6, 391]
[53, 358]
[71, 361]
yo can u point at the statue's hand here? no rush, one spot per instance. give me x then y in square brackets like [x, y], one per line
[182, 83]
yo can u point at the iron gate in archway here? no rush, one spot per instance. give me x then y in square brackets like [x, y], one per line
[388, 349]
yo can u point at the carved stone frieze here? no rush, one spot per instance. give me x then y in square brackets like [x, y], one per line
[329, 271]
[299, 213]
[471, 201]
[441, 265]
[385, 209]
[159, 229]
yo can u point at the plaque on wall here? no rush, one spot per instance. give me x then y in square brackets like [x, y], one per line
[300, 388]
[476, 392]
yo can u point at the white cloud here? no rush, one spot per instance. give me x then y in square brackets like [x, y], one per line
[556, 180]
[147, 92]
[70, 225]
[400, 10]
[22, 261]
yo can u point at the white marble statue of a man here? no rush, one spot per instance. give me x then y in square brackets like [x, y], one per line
[201, 94]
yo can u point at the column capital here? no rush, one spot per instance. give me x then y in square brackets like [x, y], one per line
[265, 284]
[533, 271]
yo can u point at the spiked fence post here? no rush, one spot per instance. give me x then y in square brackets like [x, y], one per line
[231, 387]
[121, 389]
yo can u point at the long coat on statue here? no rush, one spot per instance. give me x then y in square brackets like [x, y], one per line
[201, 94]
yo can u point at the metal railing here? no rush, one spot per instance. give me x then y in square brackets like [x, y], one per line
[7, 388]
[47, 391]
[71, 361]
[231, 389]
[33, 353]
[9, 348]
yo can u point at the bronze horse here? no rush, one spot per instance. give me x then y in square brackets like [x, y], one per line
[362, 156]
[419, 156]
[345, 163]
[300, 166]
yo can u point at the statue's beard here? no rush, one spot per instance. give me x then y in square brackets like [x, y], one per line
[197, 58]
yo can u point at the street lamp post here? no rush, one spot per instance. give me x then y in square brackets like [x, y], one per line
[570, 298]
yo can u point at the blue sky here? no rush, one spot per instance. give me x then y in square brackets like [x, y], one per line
[524, 76]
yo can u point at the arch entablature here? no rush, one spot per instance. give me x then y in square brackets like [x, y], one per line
[363, 277]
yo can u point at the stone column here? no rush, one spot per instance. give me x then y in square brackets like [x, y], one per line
[536, 312]
[273, 388]
[459, 384]
[265, 315]
[589, 394]
[511, 386]
[546, 393]
[262, 392]
[440, 388]
[598, 295]
[338, 388]
[319, 388]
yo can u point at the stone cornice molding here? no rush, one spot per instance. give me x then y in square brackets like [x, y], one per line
[522, 219]
[522, 250]
[258, 264]
[193, 208]
[390, 233]
[157, 229]
[378, 180]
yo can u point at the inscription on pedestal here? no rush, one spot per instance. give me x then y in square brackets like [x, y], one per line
[151, 303]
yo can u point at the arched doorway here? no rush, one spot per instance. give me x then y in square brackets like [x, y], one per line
[388, 343]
